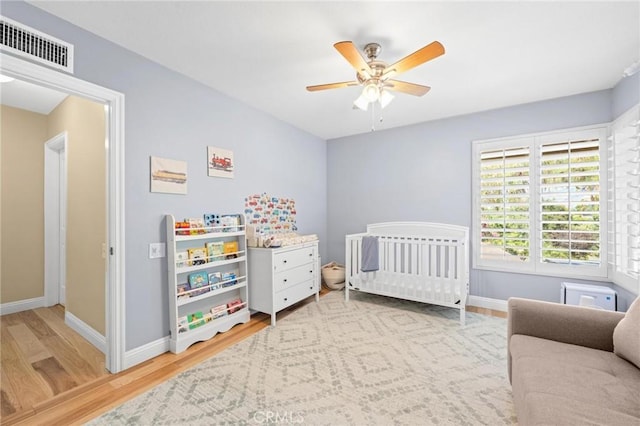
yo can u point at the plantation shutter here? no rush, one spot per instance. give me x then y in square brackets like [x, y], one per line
[504, 204]
[569, 201]
[624, 151]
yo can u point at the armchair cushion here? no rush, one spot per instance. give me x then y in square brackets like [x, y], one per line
[626, 335]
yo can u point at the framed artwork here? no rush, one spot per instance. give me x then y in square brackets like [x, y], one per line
[220, 162]
[168, 176]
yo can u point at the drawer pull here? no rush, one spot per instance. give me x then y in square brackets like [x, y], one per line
[284, 281]
[310, 254]
[285, 299]
[284, 261]
[311, 271]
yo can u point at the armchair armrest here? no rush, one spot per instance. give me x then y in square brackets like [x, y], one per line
[576, 325]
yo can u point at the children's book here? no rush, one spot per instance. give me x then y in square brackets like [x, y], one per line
[214, 280]
[234, 305]
[215, 250]
[218, 311]
[229, 223]
[182, 258]
[182, 291]
[229, 279]
[210, 221]
[197, 256]
[230, 249]
[196, 226]
[183, 324]
[195, 320]
[199, 280]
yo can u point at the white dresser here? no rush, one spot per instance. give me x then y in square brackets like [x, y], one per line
[283, 276]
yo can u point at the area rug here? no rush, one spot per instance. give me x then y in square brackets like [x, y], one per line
[371, 361]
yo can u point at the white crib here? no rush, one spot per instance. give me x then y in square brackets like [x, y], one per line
[418, 261]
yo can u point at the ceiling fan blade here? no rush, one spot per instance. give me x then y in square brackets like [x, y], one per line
[332, 86]
[420, 56]
[408, 88]
[351, 54]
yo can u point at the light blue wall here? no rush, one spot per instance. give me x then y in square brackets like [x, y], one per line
[625, 95]
[423, 172]
[169, 115]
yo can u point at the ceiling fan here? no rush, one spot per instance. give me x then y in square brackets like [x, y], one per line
[375, 76]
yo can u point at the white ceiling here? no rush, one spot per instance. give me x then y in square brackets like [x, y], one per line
[266, 53]
[23, 95]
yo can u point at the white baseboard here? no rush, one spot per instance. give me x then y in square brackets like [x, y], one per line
[145, 352]
[21, 305]
[83, 329]
[488, 303]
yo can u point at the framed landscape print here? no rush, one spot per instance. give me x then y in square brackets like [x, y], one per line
[168, 176]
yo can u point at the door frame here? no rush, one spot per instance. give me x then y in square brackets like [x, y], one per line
[54, 203]
[114, 146]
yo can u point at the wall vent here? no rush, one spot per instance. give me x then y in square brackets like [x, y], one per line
[29, 43]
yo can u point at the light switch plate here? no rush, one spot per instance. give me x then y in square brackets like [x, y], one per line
[157, 250]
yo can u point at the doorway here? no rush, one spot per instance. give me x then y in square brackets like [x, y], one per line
[114, 144]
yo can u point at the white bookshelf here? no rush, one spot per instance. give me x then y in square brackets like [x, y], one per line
[208, 296]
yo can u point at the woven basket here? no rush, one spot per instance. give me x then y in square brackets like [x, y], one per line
[333, 275]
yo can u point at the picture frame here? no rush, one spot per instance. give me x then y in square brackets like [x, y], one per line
[168, 176]
[220, 162]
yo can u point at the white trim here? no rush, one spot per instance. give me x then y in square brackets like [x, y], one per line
[115, 290]
[487, 303]
[53, 263]
[21, 305]
[146, 352]
[86, 331]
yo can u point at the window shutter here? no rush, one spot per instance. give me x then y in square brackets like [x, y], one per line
[569, 202]
[504, 205]
[624, 149]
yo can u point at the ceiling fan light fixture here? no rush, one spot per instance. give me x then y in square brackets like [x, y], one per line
[385, 98]
[371, 92]
[361, 103]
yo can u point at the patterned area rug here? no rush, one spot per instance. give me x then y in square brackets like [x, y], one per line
[372, 361]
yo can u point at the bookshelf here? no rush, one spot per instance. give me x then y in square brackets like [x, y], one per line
[207, 277]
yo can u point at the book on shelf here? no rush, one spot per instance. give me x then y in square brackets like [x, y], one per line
[234, 305]
[229, 279]
[229, 222]
[183, 324]
[214, 280]
[183, 291]
[215, 250]
[197, 256]
[199, 281]
[218, 311]
[182, 228]
[195, 320]
[211, 220]
[230, 249]
[196, 225]
[182, 259]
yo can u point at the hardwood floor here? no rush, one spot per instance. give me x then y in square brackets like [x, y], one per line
[50, 396]
[42, 357]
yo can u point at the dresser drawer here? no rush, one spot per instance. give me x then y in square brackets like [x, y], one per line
[293, 294]
[293, 276]
[292, 258]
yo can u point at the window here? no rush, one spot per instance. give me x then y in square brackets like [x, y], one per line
[537, 203]
[624, 205]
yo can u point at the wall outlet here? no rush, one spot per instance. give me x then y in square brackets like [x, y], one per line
[157, 250]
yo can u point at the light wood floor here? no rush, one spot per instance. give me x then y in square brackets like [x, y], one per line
[49, 388]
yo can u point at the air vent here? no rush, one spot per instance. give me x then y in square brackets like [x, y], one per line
[24, 41]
